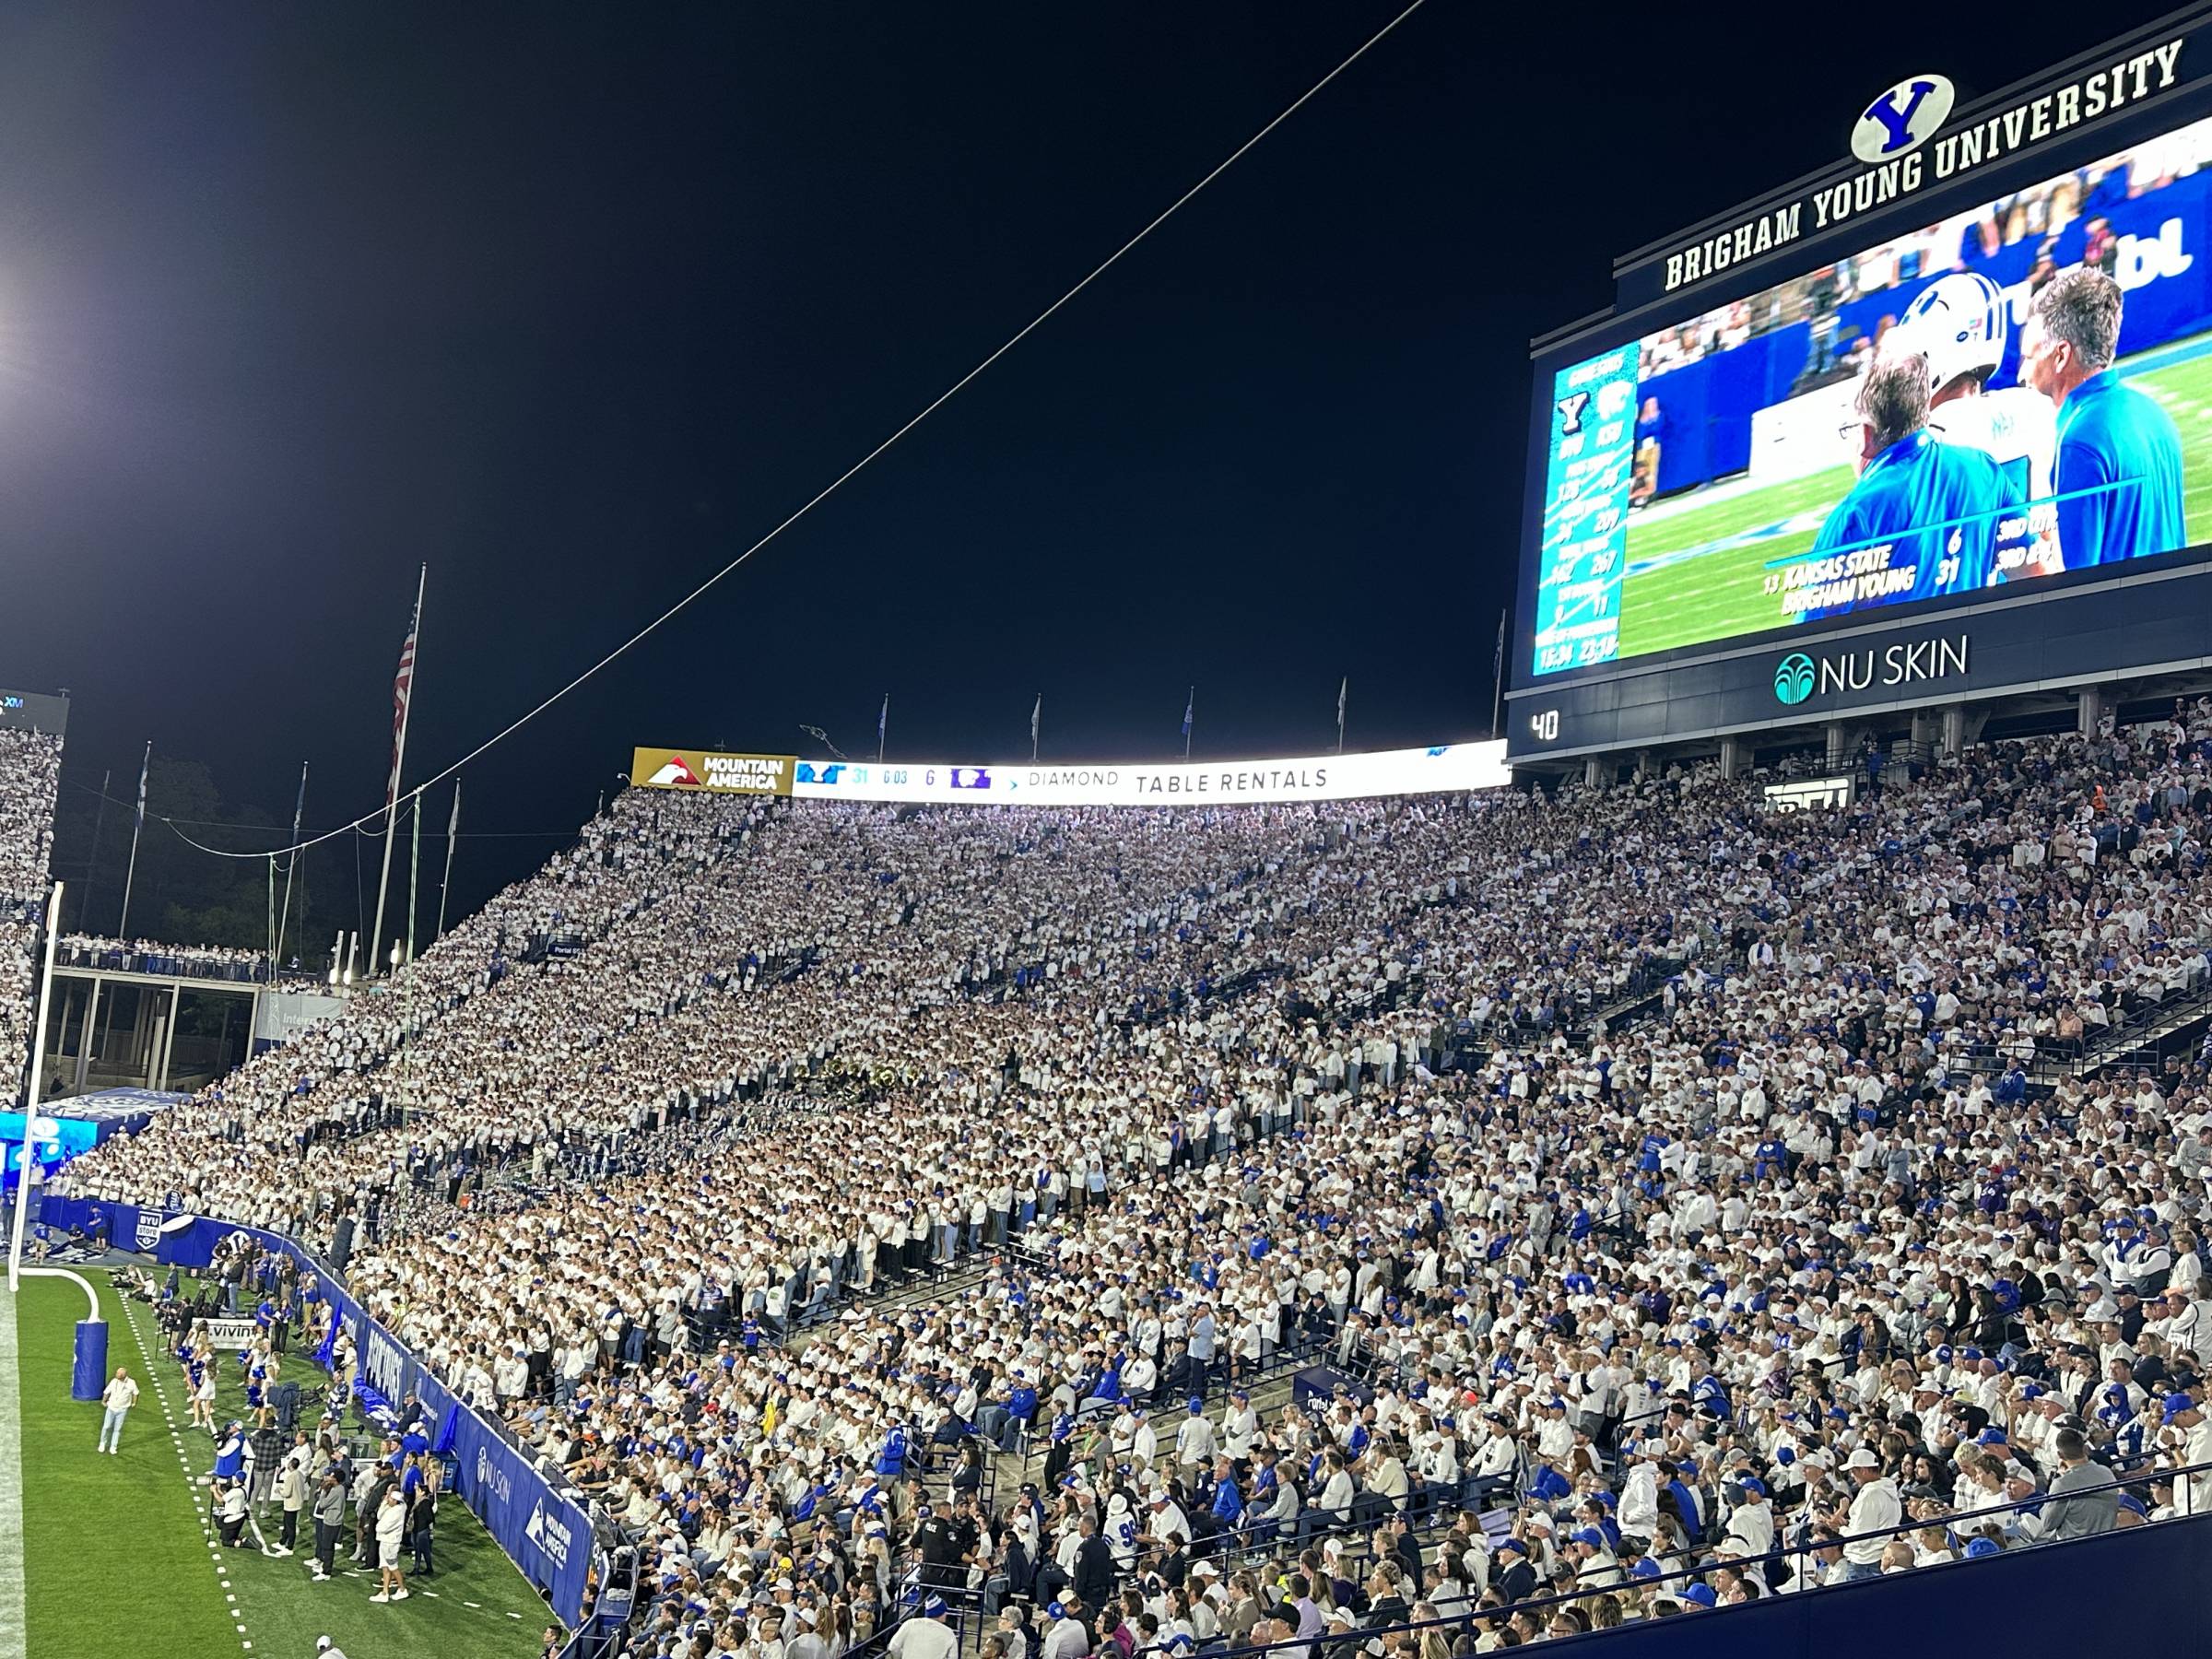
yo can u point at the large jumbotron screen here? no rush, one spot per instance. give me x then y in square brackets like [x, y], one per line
[1927, 419]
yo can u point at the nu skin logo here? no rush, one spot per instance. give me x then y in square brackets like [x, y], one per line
[1902, 119]
[491, 1478]
[1798, 675]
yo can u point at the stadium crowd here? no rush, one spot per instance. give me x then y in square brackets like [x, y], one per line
[30, 768]
[150, 956]
[1830, 1238]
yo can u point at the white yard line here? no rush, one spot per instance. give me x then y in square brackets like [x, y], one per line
[12, 1636]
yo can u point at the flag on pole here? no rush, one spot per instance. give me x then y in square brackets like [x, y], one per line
[883, 724]
[1188, 707]
[403, 688]
[403, 693]
[452, 840]
[1036, 717]
[291, 858]
[130, 873]
[1343, 691]
[1498, 663]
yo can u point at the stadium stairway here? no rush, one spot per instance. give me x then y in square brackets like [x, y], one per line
[1269, 1391]
[2134, 1042]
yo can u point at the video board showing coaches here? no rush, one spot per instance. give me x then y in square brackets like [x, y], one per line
[2019, 389]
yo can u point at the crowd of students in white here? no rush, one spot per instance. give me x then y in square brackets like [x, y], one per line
[30, 770]
[151, 956]
[1834, 1237]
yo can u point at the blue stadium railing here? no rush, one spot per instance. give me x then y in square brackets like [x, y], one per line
[2085, 1602]
[2166, 1559]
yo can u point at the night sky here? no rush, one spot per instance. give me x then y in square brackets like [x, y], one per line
[575, 303]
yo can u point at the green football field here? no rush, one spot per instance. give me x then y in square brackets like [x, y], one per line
[1718, 595]
[117, 1557]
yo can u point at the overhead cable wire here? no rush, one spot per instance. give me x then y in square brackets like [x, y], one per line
[830, 488]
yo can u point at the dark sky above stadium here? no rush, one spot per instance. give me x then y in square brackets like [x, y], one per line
[574, 302]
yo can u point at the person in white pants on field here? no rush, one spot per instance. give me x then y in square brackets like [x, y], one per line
[119, 1396]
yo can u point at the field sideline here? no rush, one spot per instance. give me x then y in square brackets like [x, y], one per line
[1717, 594]
[117, 1561]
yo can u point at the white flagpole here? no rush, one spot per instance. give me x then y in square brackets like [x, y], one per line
[122, 923]
[99, 823]
[1497, 679]
[284, 915]
[399, 758]
[1036, 719]
[30, 1100]
[413, 874]
[453, 834]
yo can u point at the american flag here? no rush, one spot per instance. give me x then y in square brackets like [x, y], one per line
[402, 688]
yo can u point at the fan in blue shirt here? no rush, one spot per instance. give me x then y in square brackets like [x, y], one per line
[2119, 475]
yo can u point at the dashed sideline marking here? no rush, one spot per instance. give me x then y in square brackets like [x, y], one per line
[192, 1485]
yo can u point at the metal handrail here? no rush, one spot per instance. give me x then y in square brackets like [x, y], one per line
[958, 1600]
[1288, 1356]
[2116, 1042]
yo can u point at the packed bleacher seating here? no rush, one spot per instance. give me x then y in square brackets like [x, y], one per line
[1663, 1183]
[30, 765]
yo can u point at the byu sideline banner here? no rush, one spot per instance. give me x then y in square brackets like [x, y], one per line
[546, 1533]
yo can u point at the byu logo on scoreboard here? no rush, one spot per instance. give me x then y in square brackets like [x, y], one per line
[1902, 119]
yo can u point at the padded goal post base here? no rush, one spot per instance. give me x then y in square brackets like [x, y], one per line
[90, 1378]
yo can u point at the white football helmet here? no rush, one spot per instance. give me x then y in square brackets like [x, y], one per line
[1957, 323]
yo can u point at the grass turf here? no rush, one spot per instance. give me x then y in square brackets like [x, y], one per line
[1719, 594]
[116, 1561]
[112, 1546]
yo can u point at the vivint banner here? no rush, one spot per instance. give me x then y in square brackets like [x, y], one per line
[1447, 769]
[712, 773]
